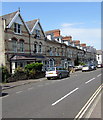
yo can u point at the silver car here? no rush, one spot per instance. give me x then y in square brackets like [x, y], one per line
[56, 72]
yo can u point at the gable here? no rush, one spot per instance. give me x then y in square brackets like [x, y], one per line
[18, 20]
[38, 27]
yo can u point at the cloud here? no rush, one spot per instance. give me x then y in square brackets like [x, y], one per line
[67, 25]
[90, 36]
[70, 24]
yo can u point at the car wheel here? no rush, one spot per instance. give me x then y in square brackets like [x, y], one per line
[60, 76]
[48, 78]
[68, 75]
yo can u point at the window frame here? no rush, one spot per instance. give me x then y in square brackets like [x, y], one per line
[21, 46]
[14, 45]
[17, 28]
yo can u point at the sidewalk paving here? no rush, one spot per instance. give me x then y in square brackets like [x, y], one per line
[19, 83]
[22, 82]
[95, 111]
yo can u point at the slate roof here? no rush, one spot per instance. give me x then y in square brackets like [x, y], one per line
[9, 17]
[31, 23]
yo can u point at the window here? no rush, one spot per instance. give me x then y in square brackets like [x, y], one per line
[57, 39]
[21, 46]
[17, 28]
[40, 47]
[37, 33]
[55, 51]
[51, 53]
[14, 45]
[35, 47]
[58, 52]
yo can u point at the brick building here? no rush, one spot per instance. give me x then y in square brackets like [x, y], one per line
[25, 42]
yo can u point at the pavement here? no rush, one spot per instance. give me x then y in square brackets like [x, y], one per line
[94, 112]
[20, 82]
[97, 113]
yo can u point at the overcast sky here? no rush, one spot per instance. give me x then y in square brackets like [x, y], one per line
[81, 20]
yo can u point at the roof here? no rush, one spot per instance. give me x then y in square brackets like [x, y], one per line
[31, 23]
[76, 42]
[83, 44]
[9, 17]
[69, 38]
[99, 51]
[52, 31]
[27, 57]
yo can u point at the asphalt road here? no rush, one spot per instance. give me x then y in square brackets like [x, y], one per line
[62, 98]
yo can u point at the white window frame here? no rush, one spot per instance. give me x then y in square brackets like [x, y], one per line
[17, 28]
[21, 45]
[38, 33]
[14, 45]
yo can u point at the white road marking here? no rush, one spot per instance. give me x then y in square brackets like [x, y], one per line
[89, 80]
[94, 105]
[65, 96]
[5, 96]
[86, 106]
[40, 85]
[30, 88]
[99, 75]
[19, 92]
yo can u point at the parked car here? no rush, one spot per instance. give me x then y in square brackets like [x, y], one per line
[79, 67]
[56, 72]
[86, 68]
[99, 66]
[93, 67]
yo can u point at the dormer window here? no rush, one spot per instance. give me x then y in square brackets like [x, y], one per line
[37, 33]
[17, 28]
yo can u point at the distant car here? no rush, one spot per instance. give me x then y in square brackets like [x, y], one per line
[86, 68]
[99, 66]
[56, 72]
[93, 67]
[79, 67]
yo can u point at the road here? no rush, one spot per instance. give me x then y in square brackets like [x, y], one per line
[62, 98]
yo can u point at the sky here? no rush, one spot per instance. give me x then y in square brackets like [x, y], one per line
[81, 20]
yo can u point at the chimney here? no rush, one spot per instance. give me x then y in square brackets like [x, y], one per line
[77, 42]
[83, 45]
[56, 33]
[67, 38]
